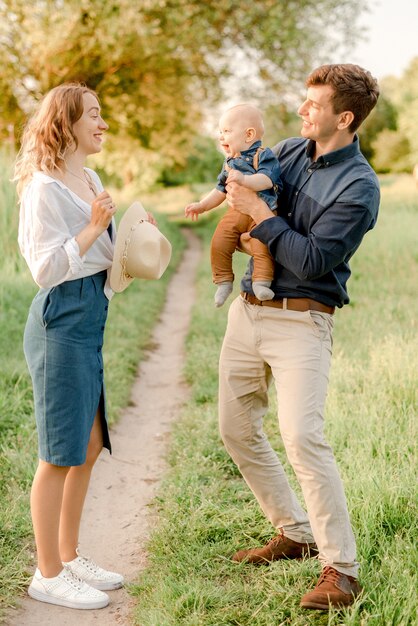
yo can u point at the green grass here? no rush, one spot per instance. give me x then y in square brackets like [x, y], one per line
[132, 317]
[206, 512]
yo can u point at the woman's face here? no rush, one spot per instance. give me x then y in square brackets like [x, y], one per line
[89, 129]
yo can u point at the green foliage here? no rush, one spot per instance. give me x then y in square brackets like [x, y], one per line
[280, 122]
[383, 117]
[205, 509]
[403, 95]
[391, 151]
[202, 165]
[9, 213]
[407, 97]
[156, 65]
[17, 436]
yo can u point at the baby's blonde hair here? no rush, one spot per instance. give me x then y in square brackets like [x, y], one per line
[252, 116]
[49, 132]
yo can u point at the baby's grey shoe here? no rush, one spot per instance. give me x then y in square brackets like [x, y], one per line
[262, 290]
[222, 292]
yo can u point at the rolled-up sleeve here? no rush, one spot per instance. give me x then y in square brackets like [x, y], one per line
[269, 166]
[73, 253]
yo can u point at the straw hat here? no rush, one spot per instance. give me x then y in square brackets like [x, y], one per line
[141, 250]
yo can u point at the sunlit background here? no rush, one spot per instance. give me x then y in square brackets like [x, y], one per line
[165, 69]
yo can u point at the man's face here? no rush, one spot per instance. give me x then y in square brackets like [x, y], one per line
[320, 123]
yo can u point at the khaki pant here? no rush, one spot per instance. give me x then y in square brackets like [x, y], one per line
[225, 241]
[294, 349]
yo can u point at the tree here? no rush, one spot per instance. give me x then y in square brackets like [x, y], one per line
[406, 99]
[402, 93]
[157, 63]
[202, 165]
[281, 121]
[383, 117]
[391, 152]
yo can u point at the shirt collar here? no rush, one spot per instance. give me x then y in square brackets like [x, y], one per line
[253, 148]
[45, 178]
[349, 151]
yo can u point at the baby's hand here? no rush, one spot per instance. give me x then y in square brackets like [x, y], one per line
[235, 176]
[194, 210]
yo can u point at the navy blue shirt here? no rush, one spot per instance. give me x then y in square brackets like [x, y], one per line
[325, 209]
[267, 165]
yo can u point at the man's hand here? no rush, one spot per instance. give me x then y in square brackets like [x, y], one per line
[244, 243]
[248, 202]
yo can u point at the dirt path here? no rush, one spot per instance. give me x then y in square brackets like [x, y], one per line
[117, 516]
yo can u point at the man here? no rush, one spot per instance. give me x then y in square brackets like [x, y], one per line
[329, 201]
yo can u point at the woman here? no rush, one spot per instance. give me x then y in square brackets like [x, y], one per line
[66, 234]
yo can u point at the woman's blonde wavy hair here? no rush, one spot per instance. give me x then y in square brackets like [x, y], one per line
[48, 134]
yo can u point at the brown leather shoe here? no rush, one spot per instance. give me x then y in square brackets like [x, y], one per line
[280, 547]
[333, 589]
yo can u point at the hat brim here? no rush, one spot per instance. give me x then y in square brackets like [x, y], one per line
[154, 247]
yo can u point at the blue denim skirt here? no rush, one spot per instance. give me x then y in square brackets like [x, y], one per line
[63, 342]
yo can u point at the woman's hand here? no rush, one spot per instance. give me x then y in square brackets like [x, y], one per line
[151, 218]
[102, 210]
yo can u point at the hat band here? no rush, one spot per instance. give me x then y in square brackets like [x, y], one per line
[124, 274]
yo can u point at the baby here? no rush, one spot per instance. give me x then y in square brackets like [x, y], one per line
[247, 163]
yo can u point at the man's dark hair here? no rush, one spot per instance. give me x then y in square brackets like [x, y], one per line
[355, 89]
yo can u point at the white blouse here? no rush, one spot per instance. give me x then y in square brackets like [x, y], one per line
[51, 216]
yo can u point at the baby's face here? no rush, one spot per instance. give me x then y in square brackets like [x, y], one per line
[232, 133]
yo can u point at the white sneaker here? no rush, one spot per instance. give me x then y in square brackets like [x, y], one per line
[94, 575]
[68, 590]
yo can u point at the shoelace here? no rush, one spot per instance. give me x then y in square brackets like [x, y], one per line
[276, 540]
[328, 574]
[91, 565]
[71, 578]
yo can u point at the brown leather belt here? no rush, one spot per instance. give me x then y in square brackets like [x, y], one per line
[293, 304]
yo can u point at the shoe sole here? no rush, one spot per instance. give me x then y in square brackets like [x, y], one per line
[262, 561]
[44, 597]
[323, 607]
[314, 605]
[102, 586]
